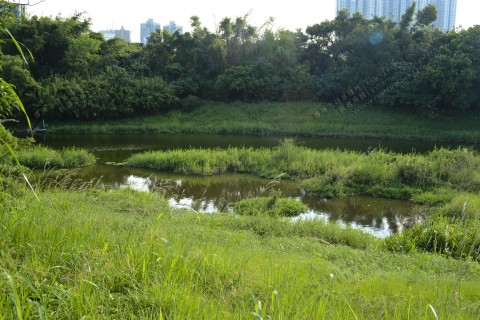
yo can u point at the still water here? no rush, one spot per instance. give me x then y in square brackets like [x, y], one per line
[380, 217]
[208, 194]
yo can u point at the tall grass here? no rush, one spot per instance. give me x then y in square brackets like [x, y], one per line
[122, 254]
[270, 206]
[38, 157]
[330, 172]
[453, 230]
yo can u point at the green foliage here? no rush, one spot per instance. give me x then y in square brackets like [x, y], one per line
[272, 206]
[82, 53]
[112, 94]
[16, 71]
[349, 60]
[10, 172]
[42, 157]
[453, 230]
[427, 16]
[49, 40]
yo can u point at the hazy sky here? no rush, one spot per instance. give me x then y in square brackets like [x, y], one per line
[108, 14]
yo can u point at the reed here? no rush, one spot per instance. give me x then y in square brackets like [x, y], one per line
[39, 157]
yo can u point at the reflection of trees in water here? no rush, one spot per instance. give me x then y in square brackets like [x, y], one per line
[367, 211]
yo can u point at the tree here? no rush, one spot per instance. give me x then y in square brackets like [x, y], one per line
[427, 16]
[48, 40]
[82, 54]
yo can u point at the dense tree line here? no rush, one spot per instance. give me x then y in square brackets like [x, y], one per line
[349, 61]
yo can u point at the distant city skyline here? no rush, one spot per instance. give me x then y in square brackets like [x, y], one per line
[121, 33]
[172, 27]
[394, 9]
[109, 14]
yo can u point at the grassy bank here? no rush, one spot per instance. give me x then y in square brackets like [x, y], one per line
[332, 173]
[308, 119]
[122, 254]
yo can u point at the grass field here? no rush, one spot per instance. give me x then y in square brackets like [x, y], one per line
[307, 119]
[121, 254]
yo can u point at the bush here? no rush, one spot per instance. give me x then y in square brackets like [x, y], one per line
[272, 206]
[114, 94]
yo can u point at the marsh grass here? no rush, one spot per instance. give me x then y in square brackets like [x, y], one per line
[123, 254]
[270, 206]
[39, 157]
[331, 173]
[453, 230]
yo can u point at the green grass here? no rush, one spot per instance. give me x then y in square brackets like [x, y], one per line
[121, 254]
[270, 206]
[38, 157]
[307, 119]
[332, 173]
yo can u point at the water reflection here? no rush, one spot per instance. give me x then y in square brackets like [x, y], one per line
[380, 217]
[368, 211]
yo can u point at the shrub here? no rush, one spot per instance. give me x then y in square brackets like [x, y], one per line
[271, 206]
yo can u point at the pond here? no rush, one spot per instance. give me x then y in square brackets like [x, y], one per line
[380, 217]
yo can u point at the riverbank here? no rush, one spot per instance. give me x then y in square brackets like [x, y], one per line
[124, 254]
[292, 119]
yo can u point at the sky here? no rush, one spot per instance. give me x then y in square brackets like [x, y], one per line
[113, 14]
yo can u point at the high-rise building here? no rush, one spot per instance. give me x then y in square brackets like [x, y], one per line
[351, 5]
[122, 34]
[147, 28]
[447, 12]
[172, 28]
[108, 34]
[19, 10]
[394, 9]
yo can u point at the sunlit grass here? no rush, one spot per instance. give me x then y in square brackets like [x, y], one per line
[125, 254]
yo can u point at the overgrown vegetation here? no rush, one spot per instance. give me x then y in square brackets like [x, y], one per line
[76, 74]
